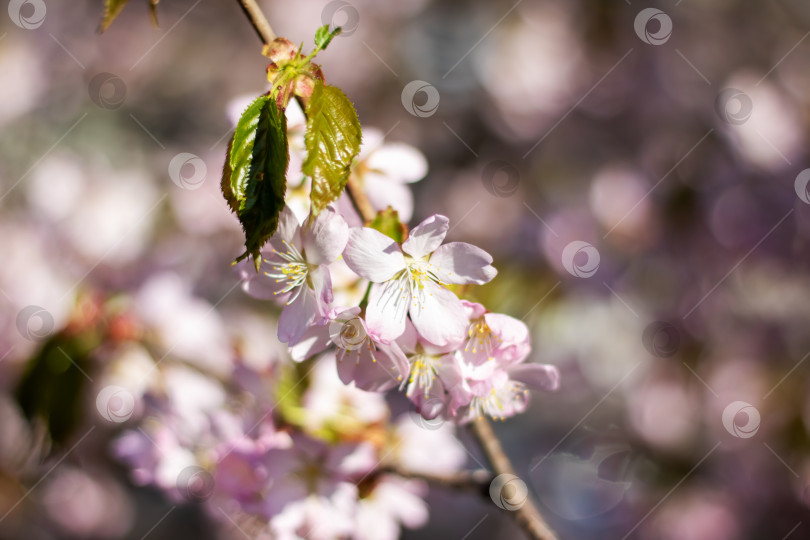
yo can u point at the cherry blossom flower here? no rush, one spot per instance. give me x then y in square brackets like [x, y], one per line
[294, 270]
[361, 357]
[412, 278]
[495, 381]
[435, 375]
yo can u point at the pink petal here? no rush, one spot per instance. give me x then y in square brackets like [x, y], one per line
[512, 345]
[473, 309]
[459, 262]
[258, 285]
[373, 371]
[536, 376]
[322, 284]
[426, 237]
[315, 340]
[439, 316]
[387, 309]
[373, 255]
[324, 237]
[297, 316]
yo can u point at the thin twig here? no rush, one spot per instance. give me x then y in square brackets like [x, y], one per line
[527, 516]
[258, 20]
[477, 481]
[358, 197]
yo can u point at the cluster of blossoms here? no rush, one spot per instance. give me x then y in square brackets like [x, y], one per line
[312, 464]
[309, 447]
[223, 420]
[389, 307]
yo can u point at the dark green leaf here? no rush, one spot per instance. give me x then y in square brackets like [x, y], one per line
[254, 175]
[323, 37]
[332, 140]
[387, 222]
[52, 388]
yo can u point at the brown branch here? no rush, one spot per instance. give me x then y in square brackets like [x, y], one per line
[527, 516]
[258, 20]
[359, 199]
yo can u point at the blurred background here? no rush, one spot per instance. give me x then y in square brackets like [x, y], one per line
[638, 170]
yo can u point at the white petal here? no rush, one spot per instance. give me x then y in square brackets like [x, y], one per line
[387, 309]
[398, 161]
[438, 315]
[458, 262]
[373, 255]
[288, 227]
[426, 237]
[383, 193]
[324, 237]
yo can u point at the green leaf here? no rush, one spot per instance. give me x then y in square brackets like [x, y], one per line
[387, 222]
[332, 141]
[254, 175]
[111, 10]
[323, 37]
